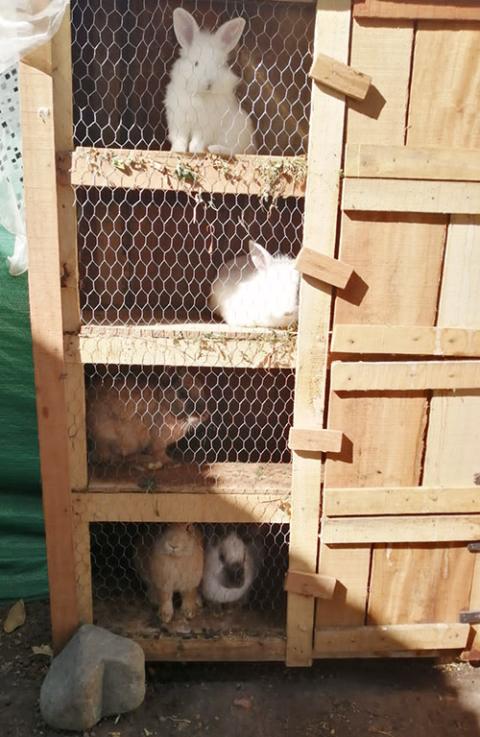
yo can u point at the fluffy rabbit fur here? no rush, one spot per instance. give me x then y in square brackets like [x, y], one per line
[173, 563]
[231, 567]
[137, 419]
[258, 290]
[203, 113]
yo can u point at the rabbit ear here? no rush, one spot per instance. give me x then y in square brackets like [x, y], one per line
[185, 27]
[260, 257]
[229, 34]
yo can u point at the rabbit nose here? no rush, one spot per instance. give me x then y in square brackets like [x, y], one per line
[209, 86]
[236, 574]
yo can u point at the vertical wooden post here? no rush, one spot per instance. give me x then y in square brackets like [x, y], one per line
[327, 119]
[43, 134]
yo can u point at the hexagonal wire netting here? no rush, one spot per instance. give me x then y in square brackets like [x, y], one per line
[125, 603]
[150, 256]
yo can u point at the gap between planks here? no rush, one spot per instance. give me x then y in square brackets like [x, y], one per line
[278, 176]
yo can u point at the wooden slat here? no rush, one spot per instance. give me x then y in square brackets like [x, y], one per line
[406, 340]
[466, 10]
[165, 170]
[399, 195]
[39, 77]
[175, 345]
[332, 37]
[329, 270]
[401, 500]
[402, 529]
[380, 640]
[213, 478]
[228, 649]
[310, 584]
[184, 507]
[411, 162]
[385, 54]
[444, 95]
[340, 77]
[405, 375]
[315, 441]
[83, 569]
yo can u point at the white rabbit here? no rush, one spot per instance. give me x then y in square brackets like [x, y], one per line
[203, 113]
[230, 568]
[257, 290]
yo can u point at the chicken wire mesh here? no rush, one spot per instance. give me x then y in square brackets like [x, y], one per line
[166, 428]
[230, 582]
[124, 51]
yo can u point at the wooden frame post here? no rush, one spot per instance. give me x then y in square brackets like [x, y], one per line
[44, 83]
[327, 120]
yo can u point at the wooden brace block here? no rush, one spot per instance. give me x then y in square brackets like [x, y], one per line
[340, 77]
[362, 376]
[378, 639]
[401, 529]
[310, 584]
[321, 267]
[315, 441]
[450, 10]
[405, 340]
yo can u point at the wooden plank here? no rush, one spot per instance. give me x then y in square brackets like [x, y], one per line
[38, 76]
[444, 95]
[411, 162]
[166, 170]
[321, 267]
[310, 584]
[399, 195]
[332, 37]
[383, 639]
[385, 53]
[404, 375]
[83, 568]
[315, 441]
[178, 345]
[76, 419]
[406, 340]
[191, 478]
[465, 10]
[222, 649]
[183, 507]
[401, 529]
[340, 77]
[401, 500]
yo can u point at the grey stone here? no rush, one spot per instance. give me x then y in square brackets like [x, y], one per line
[97, 674]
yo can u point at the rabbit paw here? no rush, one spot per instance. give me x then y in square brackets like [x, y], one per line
[166, 612]
[219, 150]
[180, 145]
[196, 146]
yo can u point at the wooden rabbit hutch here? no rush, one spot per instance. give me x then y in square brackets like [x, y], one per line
[368, 510]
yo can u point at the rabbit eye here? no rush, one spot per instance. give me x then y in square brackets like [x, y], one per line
[196, 64]
[222, 558]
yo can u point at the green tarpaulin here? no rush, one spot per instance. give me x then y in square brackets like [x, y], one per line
[23, 570]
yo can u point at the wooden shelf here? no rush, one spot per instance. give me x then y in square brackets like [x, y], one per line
[192, 344]
[264, 176]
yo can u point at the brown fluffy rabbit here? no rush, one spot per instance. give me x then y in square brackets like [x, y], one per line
[172, 563]
[137, 417]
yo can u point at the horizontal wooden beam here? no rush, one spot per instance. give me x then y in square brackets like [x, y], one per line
[323, 268]
[405, 340]
[340, 77]
[179, 345]
[401, 500]
[315, 441]
[376, 640]
[411, 162]
[466, 10]
[310, 584]
[229, 648]
[265, 176]
[401, 529]
[361, 376]
[150, 507]
[406, 195]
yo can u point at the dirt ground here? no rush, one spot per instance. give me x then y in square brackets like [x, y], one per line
[394, 698]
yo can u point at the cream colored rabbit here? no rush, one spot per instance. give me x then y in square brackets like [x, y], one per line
[172, 563]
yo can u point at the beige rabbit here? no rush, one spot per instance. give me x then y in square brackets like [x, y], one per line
[137, 418]
[172, 563]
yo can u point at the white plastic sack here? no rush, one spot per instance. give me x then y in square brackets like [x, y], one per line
[25, 24]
